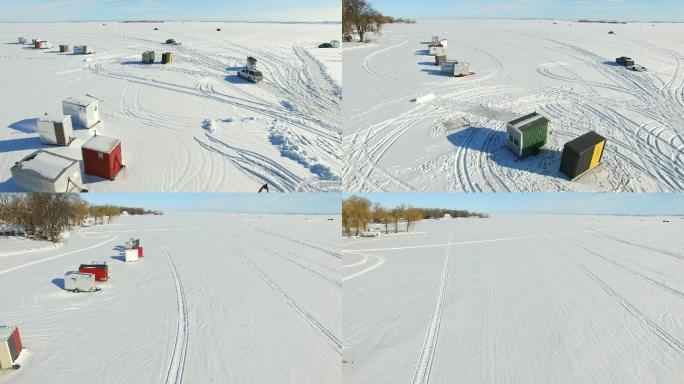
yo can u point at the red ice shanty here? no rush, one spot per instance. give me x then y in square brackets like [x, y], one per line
[10, 346]
[102, 156]
[97, 268]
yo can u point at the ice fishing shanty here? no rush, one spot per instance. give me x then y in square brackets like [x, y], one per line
[527, 134]
[131, 255]
[167, 58]
[624, 60]
[84, 113]
[455, 68]
[148, 57]
[10, 347]
[440, 59]
[437, 50]
[98, 268]
[79, 282]
[82, 50]
[134, 245]
[44, 171]
[64, 48]
[102, 156]
[21, 40]
[41, 44]
[582, 154]
[55, 130]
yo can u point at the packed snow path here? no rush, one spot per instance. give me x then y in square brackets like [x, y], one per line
[519, 299]
[566, 71]
[211, 299]
[192, 125]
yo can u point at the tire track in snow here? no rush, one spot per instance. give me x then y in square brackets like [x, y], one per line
[354, 275]
[57, 256]
[330, 337]
[662, 334]
[427, 355]
[176, 369]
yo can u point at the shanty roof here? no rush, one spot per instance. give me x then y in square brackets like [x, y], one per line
[77, 273]
[101, 143]
[83, 102]
[45, 165]
[523, 123]
[584, 142]
[5, 332]
[48, 117]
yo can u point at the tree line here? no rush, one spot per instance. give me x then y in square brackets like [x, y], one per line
[358, 212]
[46, 215]
[360, 17]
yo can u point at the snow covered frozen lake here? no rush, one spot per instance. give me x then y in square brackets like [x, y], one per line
[230, 298]
[564, 70]
[517, 299]
[192, 125]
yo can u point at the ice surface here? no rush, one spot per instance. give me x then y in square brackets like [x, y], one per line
[517, 299]
[218, 297]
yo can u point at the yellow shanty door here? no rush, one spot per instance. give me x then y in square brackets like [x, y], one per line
[598, 151]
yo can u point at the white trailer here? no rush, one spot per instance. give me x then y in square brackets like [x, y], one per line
[455, 68]
[437, 50]
[55, 129]
[80, 282]
[44, 171]
[131, 255]
[84, 112]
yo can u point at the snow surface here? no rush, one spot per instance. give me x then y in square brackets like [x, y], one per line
[217, 298]
[517, 299]
[158, 110]
[566, 71]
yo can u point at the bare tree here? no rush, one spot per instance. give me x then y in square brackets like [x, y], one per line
[360, 16]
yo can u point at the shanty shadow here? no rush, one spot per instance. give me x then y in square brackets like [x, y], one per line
[118, 248]
[7, 186]
[132, 62]
[612, 63]
[20, 144]
[427, 63]
[92, 179]
[26, 125]
[422, 52]
[235, 79]
[492, 142]
[234, 68]
[435, 72]
[119, 258]
[59, 282]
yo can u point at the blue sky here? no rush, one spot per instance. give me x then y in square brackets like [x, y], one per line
[222, 202]
[580, 203]
[251, 10]
[650, 10]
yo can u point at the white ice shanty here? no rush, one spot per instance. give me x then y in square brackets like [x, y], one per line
[84, 112]
[55, 129]
[79, 282]
[455, 68]
[44, 171]
[82, 50]
[437, 50]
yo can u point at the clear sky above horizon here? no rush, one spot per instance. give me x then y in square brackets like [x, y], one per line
[654, 10]
[563, 203]
[228, 10]
[221, 202]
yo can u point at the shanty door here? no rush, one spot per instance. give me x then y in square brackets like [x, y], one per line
[596, 157]
[59, 134]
